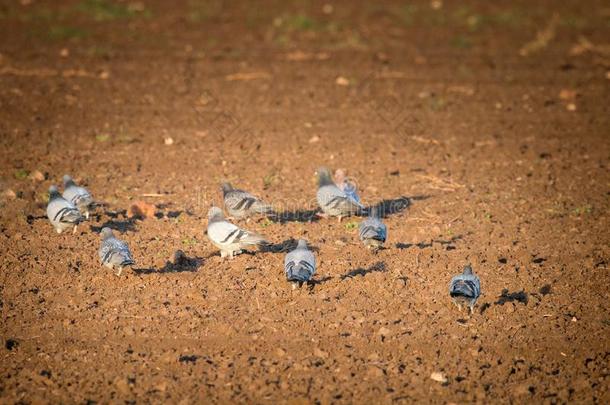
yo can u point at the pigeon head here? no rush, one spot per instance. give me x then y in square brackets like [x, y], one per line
[468, 269]
[106, 233]
[68, 181]
[53, 192]
[340, 176]
[226, 187]
[324, 177]
[302, 244]
[215, 214]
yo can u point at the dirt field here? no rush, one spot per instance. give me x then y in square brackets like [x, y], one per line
[484, 126]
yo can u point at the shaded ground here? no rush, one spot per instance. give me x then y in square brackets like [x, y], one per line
[491, 118]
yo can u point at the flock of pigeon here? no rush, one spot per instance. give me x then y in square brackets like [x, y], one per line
[336, 199]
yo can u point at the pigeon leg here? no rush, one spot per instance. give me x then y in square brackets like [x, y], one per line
[74, 229]
[223, 253]
[87, 215]
[118, 273]
[58, 230]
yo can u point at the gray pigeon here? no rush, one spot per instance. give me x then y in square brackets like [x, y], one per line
[332, 200]
[79, 196]
[372, 230]
[300, 264]
[114, 253]
[61, 212]
[240, 204]
[227, 237]
[465, 288]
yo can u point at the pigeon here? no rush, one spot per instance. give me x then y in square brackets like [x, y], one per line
[300, 264]
[465, 288]
[372, 230]
[79, 196]
[61, 212]
[332, 200]
[240, 204]
[227, 237]
[114, 253]
[346, 185]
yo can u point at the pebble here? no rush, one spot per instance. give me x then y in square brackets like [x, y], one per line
[383, 331]
[36, 175]
[438, 376]
[342, 81]
[9, 194]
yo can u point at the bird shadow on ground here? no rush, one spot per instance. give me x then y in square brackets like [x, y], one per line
[392, 206]
[311, 284]
[31, 218]
[117, 225]
[379, 266]
[423, 245]
[181, 265]
[285, 246]
[519, 296]
[303, 215]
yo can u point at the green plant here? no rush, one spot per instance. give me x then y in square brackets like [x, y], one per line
[21, 174]
[350, 226]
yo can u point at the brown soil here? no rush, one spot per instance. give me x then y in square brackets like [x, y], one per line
[503, 158]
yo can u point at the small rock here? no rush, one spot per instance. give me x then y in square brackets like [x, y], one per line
[36, 176]
[374, 372]
[280, 352]
[320, 353]
[383, 331]
[9, 194]
[567, 94]
[314, 139]
[64, 53]
[571, 107]
[436, 4]
[373, 357]
[327, 8]
[122, 386]
[438, 376]
[104, 75]
[342, 81]
[168, 141]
